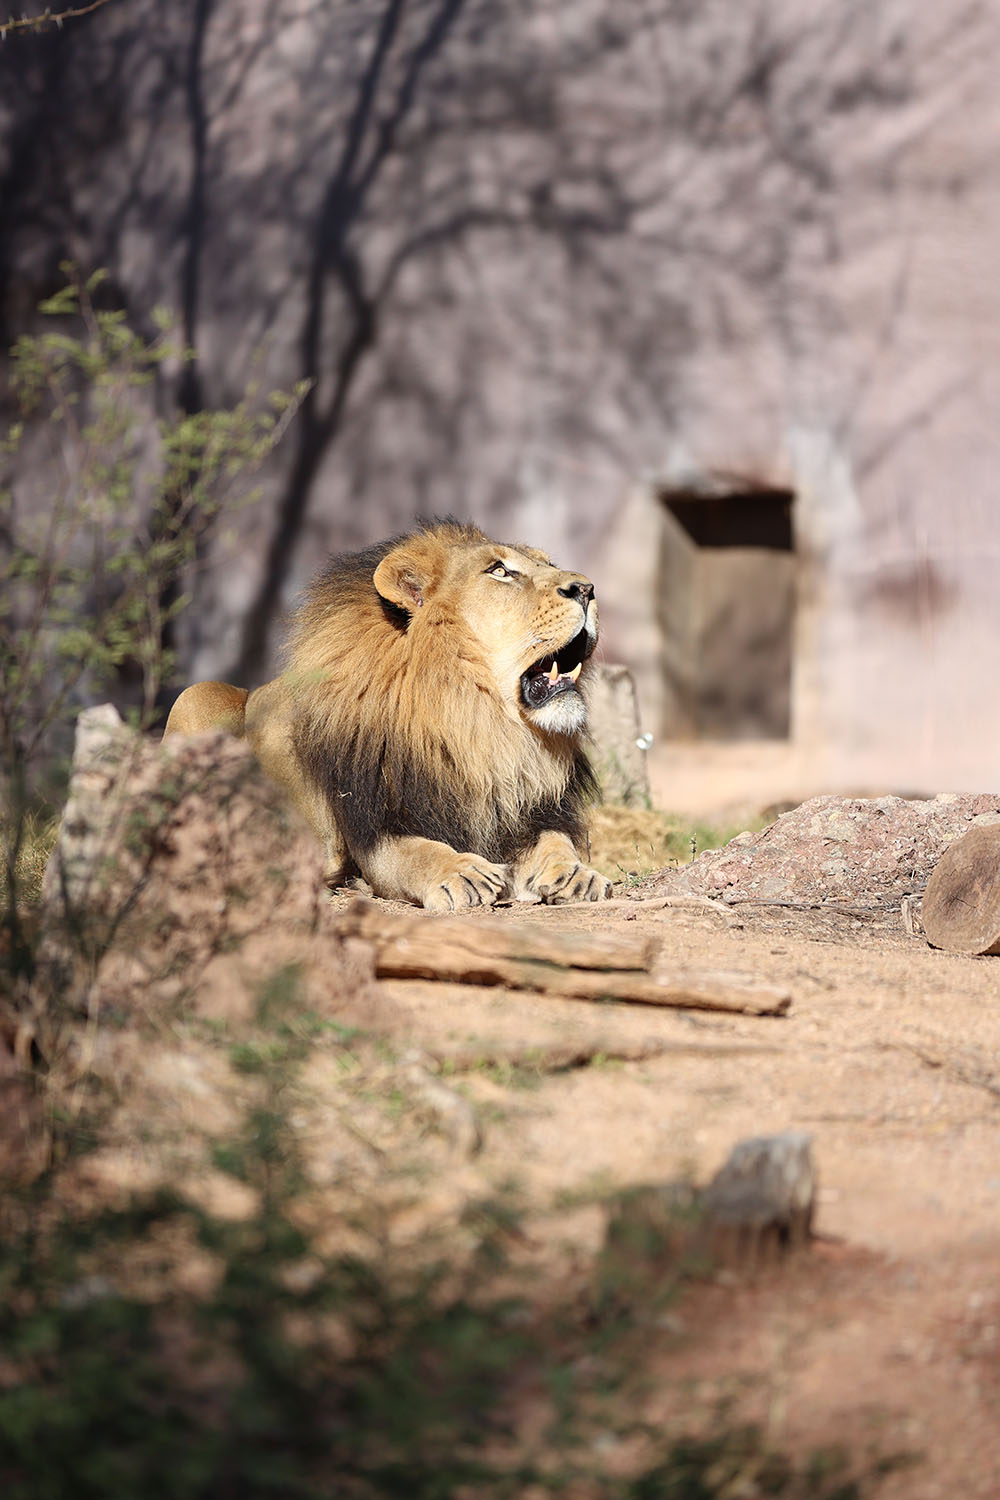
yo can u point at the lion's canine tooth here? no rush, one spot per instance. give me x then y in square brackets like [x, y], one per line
[554, 672]
[576, 670]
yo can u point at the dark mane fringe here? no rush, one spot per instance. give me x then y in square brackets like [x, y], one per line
[374, 788]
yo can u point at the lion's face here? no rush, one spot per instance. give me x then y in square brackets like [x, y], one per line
[536, 623]
[539, 625]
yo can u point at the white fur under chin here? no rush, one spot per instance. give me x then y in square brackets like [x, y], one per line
[565, 714]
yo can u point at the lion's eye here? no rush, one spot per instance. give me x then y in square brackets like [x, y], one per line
[500, 570]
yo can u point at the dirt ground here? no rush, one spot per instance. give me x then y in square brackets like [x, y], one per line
[885, 1337]
[888, 1333]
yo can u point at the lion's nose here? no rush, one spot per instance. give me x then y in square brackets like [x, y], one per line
[578, 588]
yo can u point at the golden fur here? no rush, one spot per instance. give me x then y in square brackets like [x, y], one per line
[429, 723]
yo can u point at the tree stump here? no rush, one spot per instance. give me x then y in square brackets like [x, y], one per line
[617, 754]
[961, 906]
[757, 1209]
[760, 1202]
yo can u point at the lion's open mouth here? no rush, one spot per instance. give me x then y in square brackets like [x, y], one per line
[556, 673]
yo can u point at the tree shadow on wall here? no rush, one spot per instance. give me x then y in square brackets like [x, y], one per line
[490, 237]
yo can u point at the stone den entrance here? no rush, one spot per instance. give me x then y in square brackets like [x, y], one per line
[727, 611]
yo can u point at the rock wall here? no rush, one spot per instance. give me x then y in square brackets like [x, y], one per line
[531, 257]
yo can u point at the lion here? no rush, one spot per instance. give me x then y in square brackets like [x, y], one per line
[429, 722]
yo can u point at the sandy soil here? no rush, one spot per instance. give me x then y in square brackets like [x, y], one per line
[883, 1337]
[886, 1335]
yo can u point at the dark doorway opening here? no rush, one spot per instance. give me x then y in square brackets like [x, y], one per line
[729, 609]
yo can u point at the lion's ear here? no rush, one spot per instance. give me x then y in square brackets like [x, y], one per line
[406, 575]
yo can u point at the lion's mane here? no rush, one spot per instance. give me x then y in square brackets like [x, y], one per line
[408, 733]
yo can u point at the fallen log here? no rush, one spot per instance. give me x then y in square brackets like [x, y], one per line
[559, 962]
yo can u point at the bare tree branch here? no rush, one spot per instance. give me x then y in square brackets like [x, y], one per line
[48, 18]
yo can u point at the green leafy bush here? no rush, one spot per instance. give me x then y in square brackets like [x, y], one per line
[101, 525]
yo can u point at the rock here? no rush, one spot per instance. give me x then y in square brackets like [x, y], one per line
[180, 876]
[761, 1200]
[187, 956]
[864, 852]
[758, 1205]
[618, 754]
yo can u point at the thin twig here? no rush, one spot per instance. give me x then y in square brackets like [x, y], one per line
[48, 18]
[562, 1057]
[647, 903]
[839, 910]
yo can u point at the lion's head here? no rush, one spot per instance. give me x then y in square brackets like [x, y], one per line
[536, 623]
[440, 683]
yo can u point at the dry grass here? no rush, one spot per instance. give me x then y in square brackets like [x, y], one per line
[627, 842]
[34, 841]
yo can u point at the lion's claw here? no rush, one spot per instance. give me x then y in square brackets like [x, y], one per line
[579, 884]
[587, 885]
[559, 877]
[472, 882]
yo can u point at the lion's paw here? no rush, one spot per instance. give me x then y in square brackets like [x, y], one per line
[586, 885]
[561, 878]
[471, 881]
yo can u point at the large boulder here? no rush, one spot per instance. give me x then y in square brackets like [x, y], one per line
[856, 851]
[181, 875]
[187, 956]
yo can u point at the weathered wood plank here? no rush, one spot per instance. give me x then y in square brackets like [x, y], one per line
[489, 941]
[566, 964]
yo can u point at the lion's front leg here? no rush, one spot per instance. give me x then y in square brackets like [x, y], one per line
[551, 870]
[433, 874]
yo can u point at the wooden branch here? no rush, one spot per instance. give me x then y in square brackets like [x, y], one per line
[48, 17]
[658, 903]
[454, 940]
[562, 1057]
[569, 964]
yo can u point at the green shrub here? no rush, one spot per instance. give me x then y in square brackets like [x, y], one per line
[103, 524]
